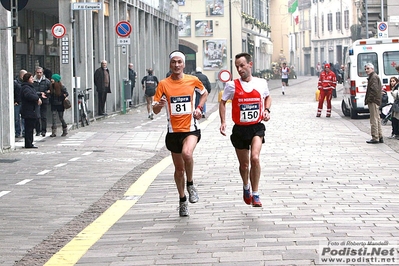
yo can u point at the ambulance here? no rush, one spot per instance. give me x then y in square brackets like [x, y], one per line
[383, 53]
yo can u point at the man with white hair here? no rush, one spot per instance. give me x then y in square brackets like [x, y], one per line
[177, 94]
[102, 81]
[204, 79]
[373, 100]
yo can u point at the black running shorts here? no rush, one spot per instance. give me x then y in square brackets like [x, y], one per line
[174, 141]
[241, 138]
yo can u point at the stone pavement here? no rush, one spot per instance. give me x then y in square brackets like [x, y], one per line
[105, 195]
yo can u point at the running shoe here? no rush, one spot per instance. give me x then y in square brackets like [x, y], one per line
[256, 201]
[192, 194]
[183, 209]
[247, 196]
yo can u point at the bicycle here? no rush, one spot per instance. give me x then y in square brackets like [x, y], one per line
[83, 97]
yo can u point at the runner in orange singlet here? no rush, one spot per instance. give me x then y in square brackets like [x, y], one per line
[177, 94]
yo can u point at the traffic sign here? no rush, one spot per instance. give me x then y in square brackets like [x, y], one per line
[382, 28]
[7, 4]
[58, 30]
[123, 28]
[224, 75]
[123, 41]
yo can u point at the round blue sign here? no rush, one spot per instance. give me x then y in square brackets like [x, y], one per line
[123, 28]
[382, 26]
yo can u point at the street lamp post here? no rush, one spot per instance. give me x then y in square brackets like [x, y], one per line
[367, 18]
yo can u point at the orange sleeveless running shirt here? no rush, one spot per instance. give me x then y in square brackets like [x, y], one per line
[180, 95]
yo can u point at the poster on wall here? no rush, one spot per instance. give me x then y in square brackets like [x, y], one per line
[203, 28]
[215, 54]
[185, 25]
[214, 8]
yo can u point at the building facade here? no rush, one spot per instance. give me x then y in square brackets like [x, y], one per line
[212, 32]
[90, 36]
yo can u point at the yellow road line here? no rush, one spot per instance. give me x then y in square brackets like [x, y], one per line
[71, 253]
[81, 243]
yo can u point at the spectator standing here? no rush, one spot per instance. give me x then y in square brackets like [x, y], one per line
[177, 93]
[326, 84]
[285, 72]
[42, 85]
[334, 69]
[58, 93]
[205, 81]
[132, 78]
[318, 69]
[251, 103]
[17, 103]
[373, 100]
[149, 83]
[102, 81]
[47, 72]
[394, 82]
[30, 110]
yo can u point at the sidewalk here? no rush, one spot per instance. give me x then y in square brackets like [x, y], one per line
[320, 182]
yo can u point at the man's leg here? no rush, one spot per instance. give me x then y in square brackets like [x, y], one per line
[374, 120]
[179, 173]
[243, 160]
[189, 144]
[43, 117]
[104, 101]
[321, 102]
[328, 96]
[148, 99]
[255, 170]
[282, 87]
[180, 183]
[100, 103]
[17, 120]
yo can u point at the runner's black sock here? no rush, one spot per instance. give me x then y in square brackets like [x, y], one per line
[190, 183]
[183, 199]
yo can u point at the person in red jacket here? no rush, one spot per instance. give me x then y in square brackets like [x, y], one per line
[327, 83]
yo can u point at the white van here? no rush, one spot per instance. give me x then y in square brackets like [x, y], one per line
[383, 53]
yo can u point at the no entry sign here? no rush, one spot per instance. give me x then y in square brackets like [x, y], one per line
[123, 28]
[58, 30]
[224, 75]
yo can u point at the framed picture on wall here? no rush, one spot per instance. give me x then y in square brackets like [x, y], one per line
[214, 8]
[215, 54]
[203, 28]
[185, 25]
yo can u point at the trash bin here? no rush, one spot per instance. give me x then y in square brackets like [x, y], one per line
[127, 85]
[312, 71]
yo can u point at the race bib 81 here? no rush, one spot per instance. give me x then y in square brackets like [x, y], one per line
[180, 105]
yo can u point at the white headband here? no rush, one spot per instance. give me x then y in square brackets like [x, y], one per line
[179, 54]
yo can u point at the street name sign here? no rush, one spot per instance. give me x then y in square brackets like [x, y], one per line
[87, 6]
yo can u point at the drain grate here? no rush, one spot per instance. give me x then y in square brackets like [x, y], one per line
[8, 160]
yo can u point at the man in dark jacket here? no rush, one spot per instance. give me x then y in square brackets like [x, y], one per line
[30, 108]
[204, 79]
[132, 78]
[17, 103]
[42, 85]
[102, 81]
[373, 100]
